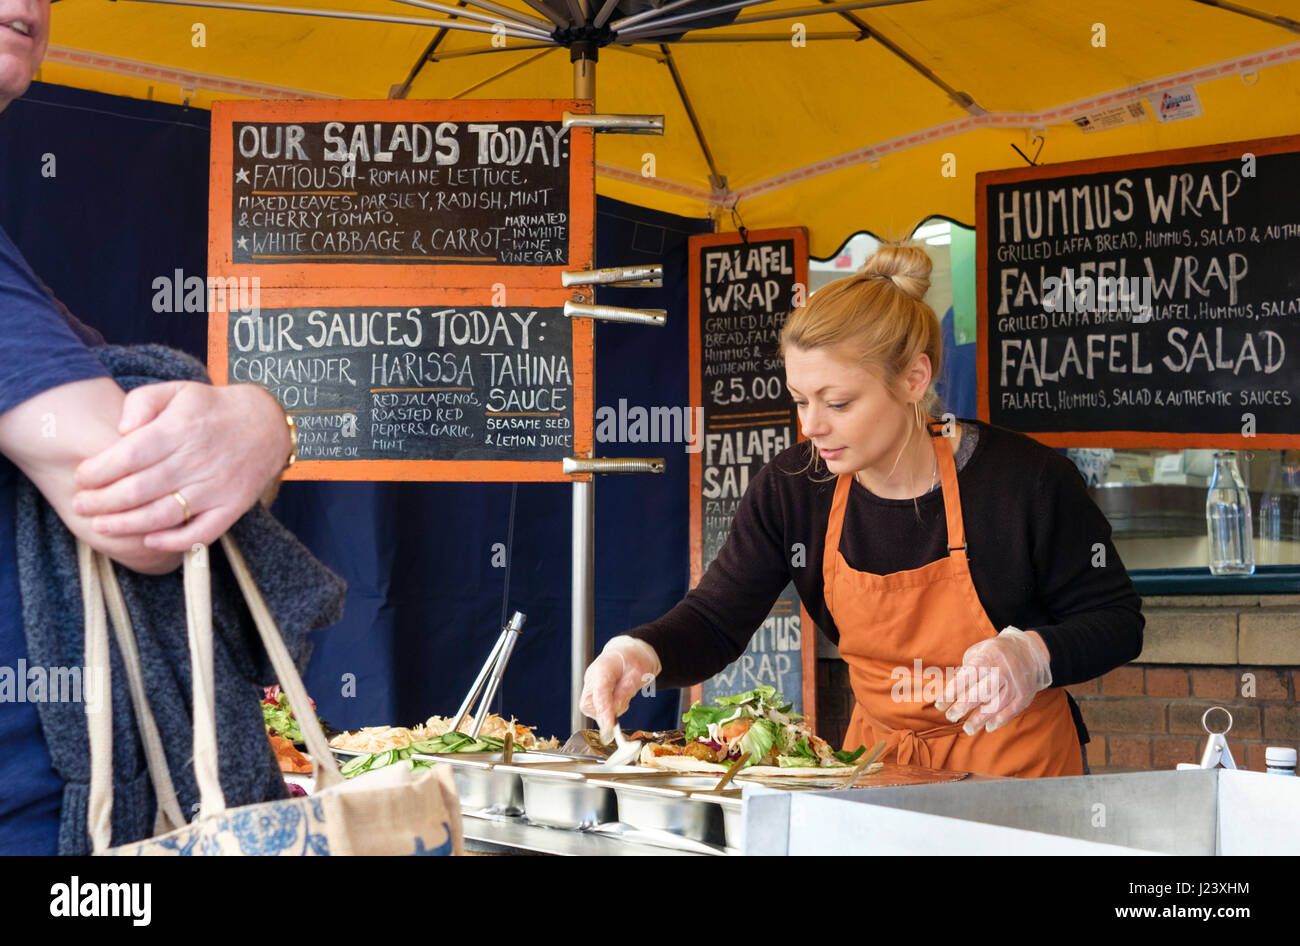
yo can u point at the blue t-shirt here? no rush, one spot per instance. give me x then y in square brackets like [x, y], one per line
[41, 347]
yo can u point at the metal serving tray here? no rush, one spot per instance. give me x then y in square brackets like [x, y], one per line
[561, 796]
[733, 815]
[665, 803]
[482, 782]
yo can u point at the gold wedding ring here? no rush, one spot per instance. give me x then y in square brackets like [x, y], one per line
[184, 505]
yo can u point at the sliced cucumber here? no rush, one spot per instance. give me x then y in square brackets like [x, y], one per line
[356, 765]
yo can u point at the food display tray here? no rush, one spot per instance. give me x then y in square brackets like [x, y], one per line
[482, 782]
[671, 803]
[563, 795]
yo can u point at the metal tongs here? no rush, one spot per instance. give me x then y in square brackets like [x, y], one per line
[489, 678]
[1216, 747]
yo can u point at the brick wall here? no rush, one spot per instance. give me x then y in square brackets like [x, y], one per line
[1149, 717]
[834, 699]
[1241, 652]
[1143, 718]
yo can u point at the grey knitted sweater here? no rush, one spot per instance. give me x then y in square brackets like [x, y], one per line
[302, 594]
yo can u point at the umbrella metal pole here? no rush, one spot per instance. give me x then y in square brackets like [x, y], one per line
[584, 602]
[583, 628]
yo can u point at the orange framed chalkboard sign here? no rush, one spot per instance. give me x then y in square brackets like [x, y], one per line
[409, 194]
[410, 384]
[1147, 300]
[741, 290]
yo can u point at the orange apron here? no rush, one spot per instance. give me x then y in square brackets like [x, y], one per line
[904, 634]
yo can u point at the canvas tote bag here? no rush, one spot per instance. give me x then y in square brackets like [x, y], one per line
[397, 811]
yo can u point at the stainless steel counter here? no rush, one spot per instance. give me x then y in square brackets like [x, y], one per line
[486, 835]
[1216, 812]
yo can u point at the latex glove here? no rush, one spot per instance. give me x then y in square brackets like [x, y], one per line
[997, 680]
[220, 446]
[625, 665]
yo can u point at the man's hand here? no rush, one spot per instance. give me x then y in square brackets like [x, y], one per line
[218, 446]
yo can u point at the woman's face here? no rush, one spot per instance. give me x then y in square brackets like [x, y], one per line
[24, 32]
[852, 419]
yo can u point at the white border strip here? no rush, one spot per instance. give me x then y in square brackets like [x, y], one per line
[1040, 119]
[147, 71]
[1051, 116]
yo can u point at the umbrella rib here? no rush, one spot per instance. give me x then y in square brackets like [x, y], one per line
[960, 98]
[504, 73]
[1283, 21]
[575, 11]
[510, 17]
[715, 179]
[549, 12]
[628, 22]
[813, 11]
[404, 89]
[636, 52]
[335, 15]
[748, 38]
[462, 53]
[655, 27]
[605, 12]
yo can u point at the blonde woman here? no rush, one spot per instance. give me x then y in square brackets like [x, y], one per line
[971, 549]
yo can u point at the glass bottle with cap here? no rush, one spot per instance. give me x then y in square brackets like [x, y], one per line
[1279, 760]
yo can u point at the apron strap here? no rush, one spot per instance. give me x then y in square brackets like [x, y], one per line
[951, 495]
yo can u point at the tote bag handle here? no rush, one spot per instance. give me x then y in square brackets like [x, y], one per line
[99, 583]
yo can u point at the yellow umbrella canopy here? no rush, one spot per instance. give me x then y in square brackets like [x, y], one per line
[837, 116]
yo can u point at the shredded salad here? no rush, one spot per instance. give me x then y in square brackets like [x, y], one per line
[759, 722]
[383, 738]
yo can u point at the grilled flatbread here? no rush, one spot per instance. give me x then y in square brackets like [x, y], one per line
[807, 771]
[687, 765]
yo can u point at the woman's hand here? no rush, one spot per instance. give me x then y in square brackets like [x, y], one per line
[623, 667]
[218, 446]
[997, 680]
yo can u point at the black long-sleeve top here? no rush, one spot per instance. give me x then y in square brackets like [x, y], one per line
[1040, 556]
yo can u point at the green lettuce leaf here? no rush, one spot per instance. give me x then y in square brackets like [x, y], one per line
[760, 740]
[847, 757]
[699, 716]
[804, 750]
[761, 698]
[796, 762]
[757, 695]
[278, 718]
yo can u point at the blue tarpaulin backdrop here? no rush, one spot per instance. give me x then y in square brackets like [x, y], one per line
[104, 195]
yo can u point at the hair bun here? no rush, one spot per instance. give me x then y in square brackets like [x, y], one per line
[907, 267]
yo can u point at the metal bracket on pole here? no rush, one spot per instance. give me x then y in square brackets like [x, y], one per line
[609, 313]
[612, 465]
[616, 124]
[651, 276]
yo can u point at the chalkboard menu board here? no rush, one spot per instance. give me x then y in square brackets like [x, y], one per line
[391, 271]
[401, 192]
[741, 293]
[1146, 300]
[396, 385]
[379, 193]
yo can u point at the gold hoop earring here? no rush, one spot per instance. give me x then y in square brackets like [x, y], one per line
[916, 407]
